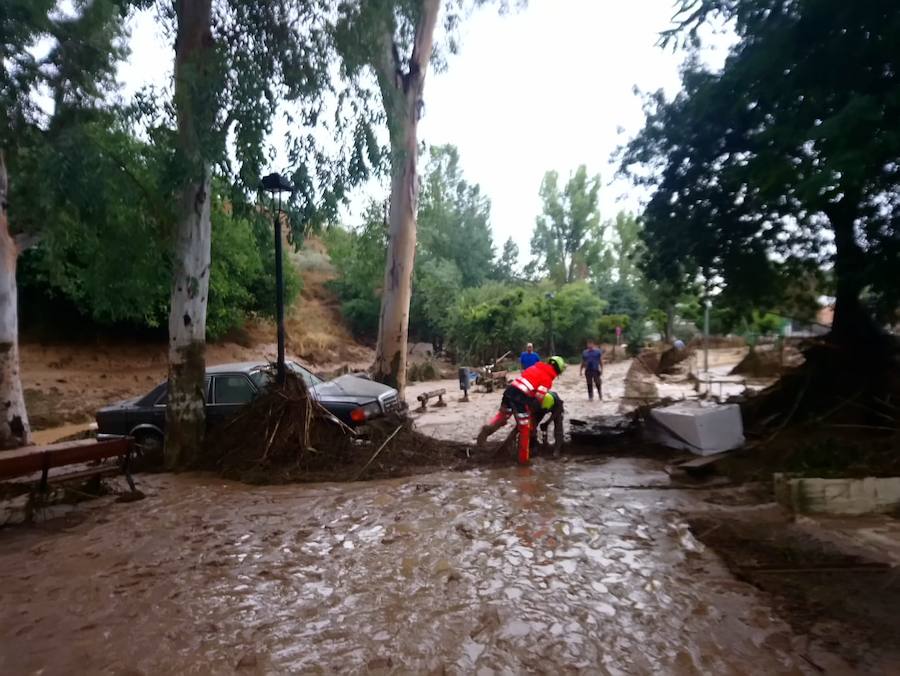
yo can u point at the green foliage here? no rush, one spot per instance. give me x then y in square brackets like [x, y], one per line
[606, 327]
[436, 285]
[359, 255]
[453, 219]
[98, 195]
[568, 235]
[242, 275]
[786, 158]
[484, 322]
[659, 320]
[487, 321]
[76, 66]
[627, 250]
[576, 308]
[102, 244]
[507, 262]
[766, 324]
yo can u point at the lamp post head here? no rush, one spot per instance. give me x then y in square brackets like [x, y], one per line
[276, 183]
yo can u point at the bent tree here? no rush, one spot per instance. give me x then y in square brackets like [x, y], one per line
[786, 160]
[395, 40]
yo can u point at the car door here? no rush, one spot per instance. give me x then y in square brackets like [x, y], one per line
[229, 393]
[155, 414]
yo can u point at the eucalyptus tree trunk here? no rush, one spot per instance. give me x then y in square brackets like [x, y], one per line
[14, 429]
[185, 413]
[401, 88]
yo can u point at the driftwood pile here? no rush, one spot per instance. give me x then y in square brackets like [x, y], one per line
[285, 435]
[282, 429]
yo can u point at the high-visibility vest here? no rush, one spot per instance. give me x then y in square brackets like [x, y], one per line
[535, 381]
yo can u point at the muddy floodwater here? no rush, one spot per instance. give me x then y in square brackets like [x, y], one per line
[575, 567]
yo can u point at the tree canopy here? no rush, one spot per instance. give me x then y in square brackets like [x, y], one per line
[783, 162]
[568, 234]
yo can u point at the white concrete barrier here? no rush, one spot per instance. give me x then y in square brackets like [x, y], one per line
[701, 428]
[851, 497]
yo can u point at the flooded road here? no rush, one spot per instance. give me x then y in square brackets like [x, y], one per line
[576, 567]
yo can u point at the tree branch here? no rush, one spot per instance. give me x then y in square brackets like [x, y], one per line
[423, 43]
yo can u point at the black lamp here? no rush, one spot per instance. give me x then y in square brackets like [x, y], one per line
[276, 184]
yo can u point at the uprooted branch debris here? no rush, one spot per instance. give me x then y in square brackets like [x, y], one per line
[286, 435]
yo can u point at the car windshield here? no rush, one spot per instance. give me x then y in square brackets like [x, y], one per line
[263, 377]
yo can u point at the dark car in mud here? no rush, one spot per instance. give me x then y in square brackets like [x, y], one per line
[351, 399]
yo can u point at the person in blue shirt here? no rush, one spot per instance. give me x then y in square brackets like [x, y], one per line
[529, 357]
[592, 368]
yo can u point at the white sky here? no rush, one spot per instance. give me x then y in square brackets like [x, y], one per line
[547, 87]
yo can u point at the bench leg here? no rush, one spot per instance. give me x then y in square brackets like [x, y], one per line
[126, 470]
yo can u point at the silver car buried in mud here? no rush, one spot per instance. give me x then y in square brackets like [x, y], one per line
[351, 399]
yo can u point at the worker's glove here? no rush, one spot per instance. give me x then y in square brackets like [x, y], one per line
[548, 401]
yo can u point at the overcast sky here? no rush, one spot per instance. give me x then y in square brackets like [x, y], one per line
[546, 87]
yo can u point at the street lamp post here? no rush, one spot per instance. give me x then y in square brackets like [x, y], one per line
[277, 184]
[706, 307]
[550, 297]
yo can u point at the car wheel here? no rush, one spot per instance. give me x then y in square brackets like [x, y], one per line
[149, 449]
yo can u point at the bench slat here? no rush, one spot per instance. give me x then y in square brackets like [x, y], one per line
[32, 459]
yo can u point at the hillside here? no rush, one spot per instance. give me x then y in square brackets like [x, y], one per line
[65, 382]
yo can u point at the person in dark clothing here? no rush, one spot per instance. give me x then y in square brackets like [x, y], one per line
[555, 413]
[592, 368]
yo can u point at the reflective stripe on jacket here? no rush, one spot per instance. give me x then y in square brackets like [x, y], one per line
[535, 381]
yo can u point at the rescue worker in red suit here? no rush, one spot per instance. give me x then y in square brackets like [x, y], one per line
[531, 386]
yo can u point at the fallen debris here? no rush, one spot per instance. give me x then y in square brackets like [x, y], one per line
[284, 426]
[284, 435]
[768, 361]
[640, 380]
[602, 429]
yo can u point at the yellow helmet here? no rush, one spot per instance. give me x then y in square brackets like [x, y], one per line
[558, 363]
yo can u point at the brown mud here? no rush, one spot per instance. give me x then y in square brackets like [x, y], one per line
[579, 566]
[845, 601]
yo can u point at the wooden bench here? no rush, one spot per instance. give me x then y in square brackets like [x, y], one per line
[425, 396]
[23, 462]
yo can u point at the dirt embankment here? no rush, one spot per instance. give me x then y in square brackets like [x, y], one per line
[66, 383]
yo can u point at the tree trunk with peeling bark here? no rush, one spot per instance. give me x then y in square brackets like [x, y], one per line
[401, 88]
[185, 413]
[14, 428]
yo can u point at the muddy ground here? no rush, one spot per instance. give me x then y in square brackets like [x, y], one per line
[460, 421]
[586, 564]
[577, 567]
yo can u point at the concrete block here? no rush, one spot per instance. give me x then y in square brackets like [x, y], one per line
[697, 427]
[852, 497]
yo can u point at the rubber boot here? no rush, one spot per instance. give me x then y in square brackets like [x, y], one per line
[524, 444]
